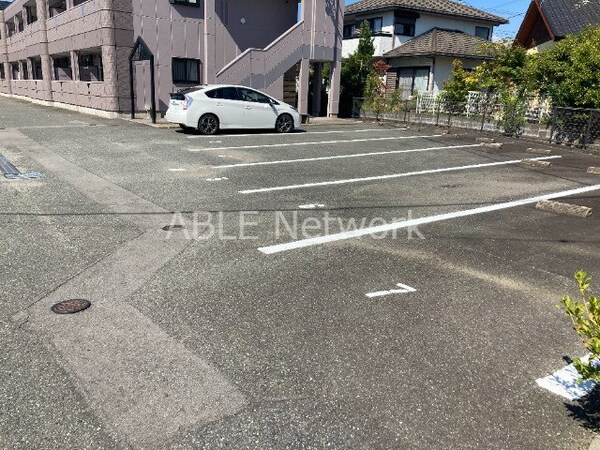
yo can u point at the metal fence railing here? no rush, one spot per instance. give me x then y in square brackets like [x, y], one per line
[576, 126]
[531, 116]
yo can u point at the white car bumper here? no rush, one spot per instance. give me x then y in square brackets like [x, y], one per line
[175, 116]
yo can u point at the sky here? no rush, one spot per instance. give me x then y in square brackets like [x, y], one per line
[513, 10]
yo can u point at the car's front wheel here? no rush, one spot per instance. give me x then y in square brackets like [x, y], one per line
[284, 124]
[208, 124]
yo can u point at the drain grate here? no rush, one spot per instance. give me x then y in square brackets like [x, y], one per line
[71, 306]
[7, 168]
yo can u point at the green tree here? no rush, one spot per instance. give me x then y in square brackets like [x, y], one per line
[356, 69]
[375, 100]
[457, 88]
[507, 70]
[569, 72]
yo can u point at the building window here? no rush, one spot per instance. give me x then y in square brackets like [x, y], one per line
[404, 26]
[2, 74]
[375, 24]
[36, 68]
[186, 2]
[90, 66]
[19, 21]
[404, 22]
[349, 31]
[14, 68]
[186, 70]
[24, 70]
[56, 7]
[31, 13]
[483, 32]
[62, 68]
[10, 27]
[411, 79]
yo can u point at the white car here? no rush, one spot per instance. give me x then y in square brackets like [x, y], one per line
[211, 108]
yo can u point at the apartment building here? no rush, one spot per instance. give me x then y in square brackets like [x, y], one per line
[80, 53]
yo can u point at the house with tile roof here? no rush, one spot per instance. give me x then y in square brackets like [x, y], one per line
[548, 21]
[420, 38]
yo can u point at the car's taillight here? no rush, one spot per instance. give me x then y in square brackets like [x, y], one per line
[188, 102]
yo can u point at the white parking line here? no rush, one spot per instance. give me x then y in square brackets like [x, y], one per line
[563, 382]
[312, 206]
[302, 134]
[421, 221]
[300, 144]
[356, 155]
[387, 177]
[404, 289]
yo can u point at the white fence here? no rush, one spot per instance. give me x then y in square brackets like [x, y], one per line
[480, 103]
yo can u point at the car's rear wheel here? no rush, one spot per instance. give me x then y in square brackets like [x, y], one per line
[208, 124]
[284, 124]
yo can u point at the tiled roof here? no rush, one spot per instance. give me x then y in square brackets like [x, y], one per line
[438, 41]
[570, 16]
[4, 5]
[444, 7]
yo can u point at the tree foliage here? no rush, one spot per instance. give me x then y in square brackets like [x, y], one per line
[569, 72]
[506, 71]
[375, 94]
[357, 67]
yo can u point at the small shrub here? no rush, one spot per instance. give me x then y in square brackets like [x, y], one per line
[514, 109]
[585, 316]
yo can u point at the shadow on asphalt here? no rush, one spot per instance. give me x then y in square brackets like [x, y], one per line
[242, 131]
[586, 411]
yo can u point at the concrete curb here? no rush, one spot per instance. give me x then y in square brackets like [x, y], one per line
[492, 144]
[539, 151]
[564, 208]
[534, 163]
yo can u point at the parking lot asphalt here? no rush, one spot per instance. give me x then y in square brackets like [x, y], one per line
[248, 329]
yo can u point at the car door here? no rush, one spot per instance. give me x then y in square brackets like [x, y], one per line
[227, 106]
[260, 113]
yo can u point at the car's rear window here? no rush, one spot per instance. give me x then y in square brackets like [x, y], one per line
[225, 93]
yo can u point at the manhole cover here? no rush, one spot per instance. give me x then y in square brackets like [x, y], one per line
[71, 306]
[173, 227]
